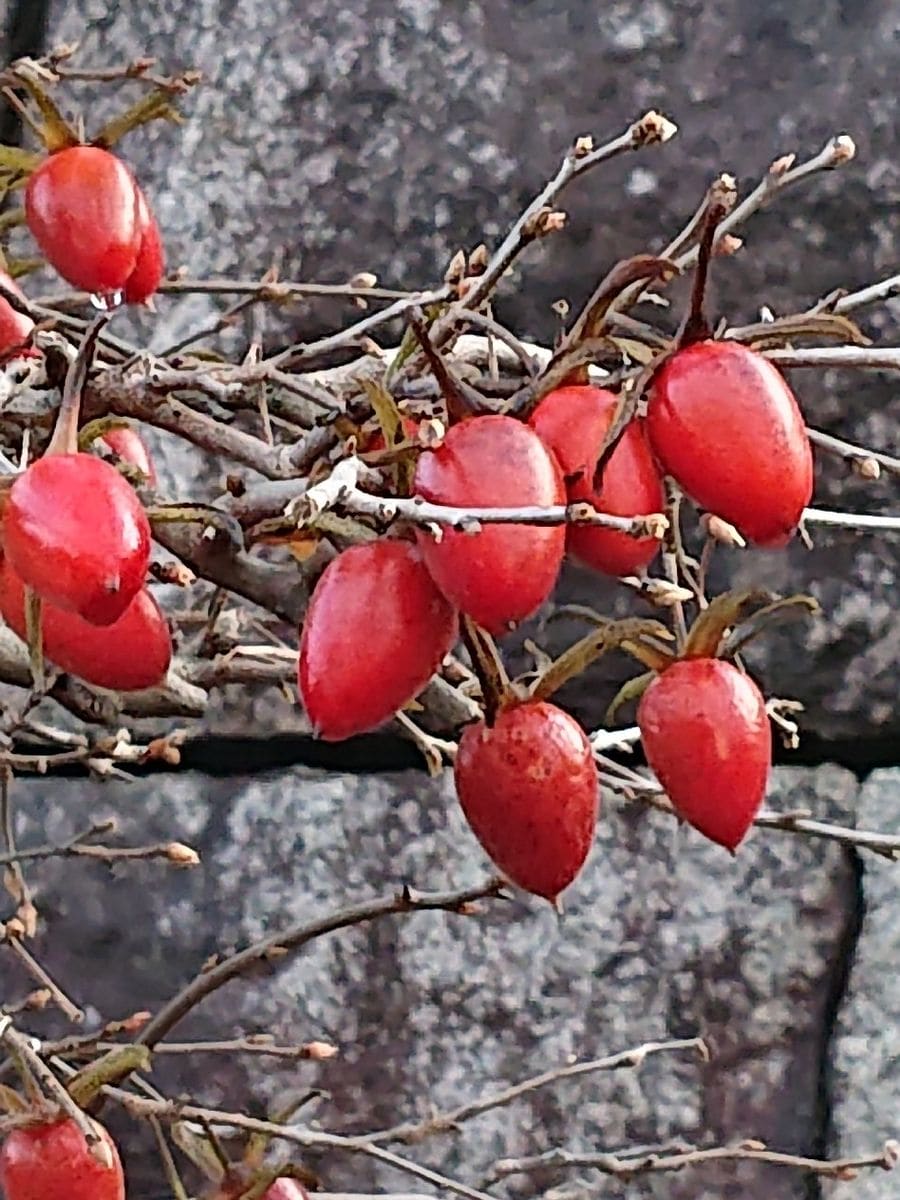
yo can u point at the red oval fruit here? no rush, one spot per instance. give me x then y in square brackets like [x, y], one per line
[81, 207]
[132, 653]
[150, 264]
[53, 1162]
[573, 422]
[528, 786]
[15, 326]
[75, 532]
[504, 572]
[707, 737]
[286, 1189]
[375, 632]
[128, 444]
[725, 425]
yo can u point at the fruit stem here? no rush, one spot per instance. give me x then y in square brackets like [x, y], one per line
[65, 432]
[462, 401]
[488, 667]
[720, 201]
[35, 637]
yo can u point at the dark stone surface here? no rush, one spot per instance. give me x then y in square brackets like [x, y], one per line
[383, 136]
[865, 1083]
[664, 936]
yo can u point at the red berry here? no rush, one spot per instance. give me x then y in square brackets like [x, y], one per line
[150, 265]
[53, 1162]
[81, 206]
[725, 425]
[528, 786]
[286, 1189]
[375, 632]
[15, 326]
[131, 448]
[707, 736]
[75, 532]
[504, 572]
[132, 653]
[573, 422]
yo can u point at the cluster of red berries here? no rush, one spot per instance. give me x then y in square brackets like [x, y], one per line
[384, 614]
[73, 529]
[52, 1161]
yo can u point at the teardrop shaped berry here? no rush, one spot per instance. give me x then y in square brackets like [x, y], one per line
[375, 632]
[128, 444]
[131, 654]
[725, 425]
[528, 787]
[53, 1162]
[81, 207]
[501, 574]
[707, 737]
[75, 532]
[15, 326]
[150, 264]
[572, 422]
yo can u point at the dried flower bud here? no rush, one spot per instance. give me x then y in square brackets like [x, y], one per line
[319, 1051]
[721, 531]
[430, 433]
[727, 245]
[544, 221]
[181, 855]
[562, 308]
[843, 149]
[173, 572]
[583, 146]
[782, 165]
[652, 129]
[656, 525]
[364, 279]
[456, 268]
[663, 593]
[478, 259]
[867, 468]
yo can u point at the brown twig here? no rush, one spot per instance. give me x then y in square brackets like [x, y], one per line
[625, 1167]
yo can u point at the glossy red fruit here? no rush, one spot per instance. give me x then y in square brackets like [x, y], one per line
[15, 326]
[75, 532]
[81, 206]
[286, 1189]
[375, 632]
[504, 572]
[725, 425]
[132, 653]
[707, 736]
[573, 422]
[128, 444]
[53, 1162]
[150, 264]
[528, 786]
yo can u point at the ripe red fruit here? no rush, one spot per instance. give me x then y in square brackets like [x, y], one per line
[528, 786]
[504, 572]
[75, 532]
[375, 632]
[53, 1162]
[132, 653]
[573, 422]
[150, 264]
[15, 326]
[131, 448]
[81, 206]
[286, 1189]
[725, 425]
[707, 736]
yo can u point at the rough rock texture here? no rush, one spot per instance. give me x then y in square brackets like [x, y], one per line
[384, 135]
[664, 936]
[865, 1086]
